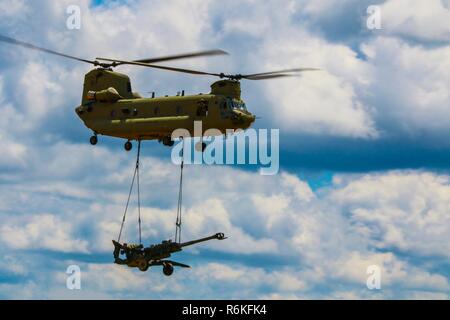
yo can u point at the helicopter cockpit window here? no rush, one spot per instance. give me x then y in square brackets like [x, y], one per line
[129, 86]
[233, 104]
[241, 106]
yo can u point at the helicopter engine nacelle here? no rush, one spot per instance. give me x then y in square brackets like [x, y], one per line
[99, 80]
[228, 88]
[107, 95]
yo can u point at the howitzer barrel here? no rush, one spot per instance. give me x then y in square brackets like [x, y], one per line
[218, 236]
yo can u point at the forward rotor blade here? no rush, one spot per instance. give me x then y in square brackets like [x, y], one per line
[184, 56]
[30, 46]
[159, 67]
[279, 71]
[271, 76]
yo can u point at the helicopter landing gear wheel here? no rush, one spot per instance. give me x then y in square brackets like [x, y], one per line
[167, 141]
[200, 146]
[93, 140]
[168, 269]
[128, 146]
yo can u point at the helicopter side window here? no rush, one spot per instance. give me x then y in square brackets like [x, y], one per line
[129, 86]
[230, 104]
[223, 109]
[202, 109]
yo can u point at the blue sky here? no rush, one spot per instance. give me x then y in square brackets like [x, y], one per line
[364, 152]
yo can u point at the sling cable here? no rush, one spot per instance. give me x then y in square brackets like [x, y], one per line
[155, 255]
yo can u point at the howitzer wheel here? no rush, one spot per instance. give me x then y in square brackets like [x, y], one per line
[143, 265]
[168, 269]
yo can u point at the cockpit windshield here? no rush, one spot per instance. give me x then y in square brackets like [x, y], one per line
[234, 104]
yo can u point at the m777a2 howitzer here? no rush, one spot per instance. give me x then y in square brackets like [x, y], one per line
[142, 257]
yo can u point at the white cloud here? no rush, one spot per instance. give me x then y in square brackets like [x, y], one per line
[423, 19]
[409, 87]
[405, 211]
[10, 8]
[394, 272]
[402, 89]
[12, 152]
[299, 187]
[44, 231]
[10, 263]
[424, 295]
[319, 103]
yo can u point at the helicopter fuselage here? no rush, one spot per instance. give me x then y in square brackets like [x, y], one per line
[126, 115]
[156, 118]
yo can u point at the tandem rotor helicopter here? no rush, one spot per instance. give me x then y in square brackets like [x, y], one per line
[109, 106]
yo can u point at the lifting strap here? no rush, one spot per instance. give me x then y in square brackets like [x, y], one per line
[135, 175]
[180, 199]
[139, 191]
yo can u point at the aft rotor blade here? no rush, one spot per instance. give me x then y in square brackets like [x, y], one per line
[277, 72]
[116, 62]
[31, 46]
[184, 56]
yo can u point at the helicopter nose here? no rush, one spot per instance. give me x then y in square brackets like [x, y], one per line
[248, 119]
[243, 119]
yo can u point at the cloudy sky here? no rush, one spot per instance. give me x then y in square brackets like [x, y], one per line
[364, 152]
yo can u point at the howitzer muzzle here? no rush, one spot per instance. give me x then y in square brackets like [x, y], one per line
[218, 236]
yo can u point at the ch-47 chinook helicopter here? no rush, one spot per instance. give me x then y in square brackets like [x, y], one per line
[110, 107]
